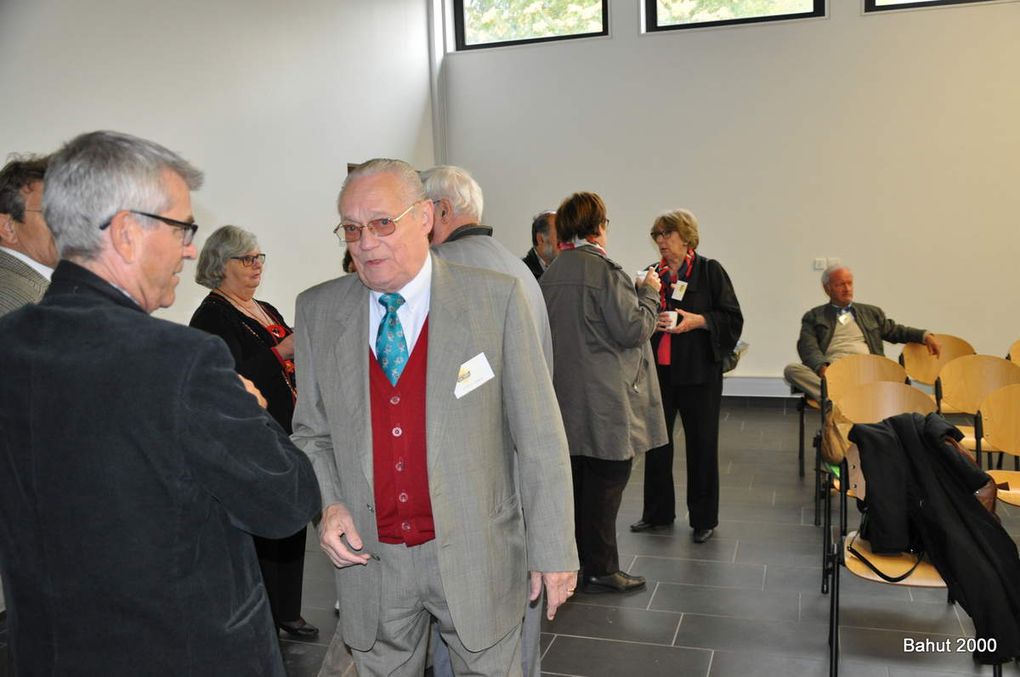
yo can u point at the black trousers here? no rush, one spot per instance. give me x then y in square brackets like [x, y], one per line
[698, 405]
[598, 490]
[282, 561]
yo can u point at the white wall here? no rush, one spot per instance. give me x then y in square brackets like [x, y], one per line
[271, 99]
[890, 141]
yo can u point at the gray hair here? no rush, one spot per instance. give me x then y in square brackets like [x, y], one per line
[540, 226]
[407, 175]
[98, 174]
[225, 242]
[457, 186]
[827, 273]
[20, 172]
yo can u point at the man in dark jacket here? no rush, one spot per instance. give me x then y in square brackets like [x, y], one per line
[544, 245]
[133, 464]
[842, 327]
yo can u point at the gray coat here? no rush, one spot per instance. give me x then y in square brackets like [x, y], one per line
[483, 251]
[19, 284]
[605, 375]
[819, 324]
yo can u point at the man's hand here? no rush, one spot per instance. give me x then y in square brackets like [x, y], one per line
[934, 348]
[821, 370]
[652, 280]
[559, 585]
[250, 387]
[337, 523]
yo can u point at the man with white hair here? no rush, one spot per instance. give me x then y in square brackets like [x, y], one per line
[457, 235]
[842, 327]
[134, 467]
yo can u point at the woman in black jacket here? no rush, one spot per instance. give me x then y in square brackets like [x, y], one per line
[262, 344]
[699, 323]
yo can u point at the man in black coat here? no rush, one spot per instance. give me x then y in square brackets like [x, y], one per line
[544, 245]
[132, 461]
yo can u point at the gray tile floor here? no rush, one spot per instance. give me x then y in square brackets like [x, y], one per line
[747, 603]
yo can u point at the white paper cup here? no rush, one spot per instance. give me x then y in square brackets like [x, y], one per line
[674, 317]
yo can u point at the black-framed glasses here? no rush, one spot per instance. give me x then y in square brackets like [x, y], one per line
[249, 261]
[348, 231]
[656, 234]
[188, 227]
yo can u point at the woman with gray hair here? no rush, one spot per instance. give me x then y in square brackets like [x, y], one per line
[262, 344]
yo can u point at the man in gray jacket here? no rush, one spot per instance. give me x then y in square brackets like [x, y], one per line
[27, 252]
[842, 327]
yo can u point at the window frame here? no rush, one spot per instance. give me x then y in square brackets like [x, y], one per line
[651, 18]
[871, 7]
[460, 24]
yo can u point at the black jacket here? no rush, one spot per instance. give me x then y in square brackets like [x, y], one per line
[251, 345]
[534, 263]
[132, 464]
[696, 356]
[917, 481]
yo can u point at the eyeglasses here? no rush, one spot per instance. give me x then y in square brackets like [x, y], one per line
[249, 261]
[656, 234]
[186, 226]
[348, 231]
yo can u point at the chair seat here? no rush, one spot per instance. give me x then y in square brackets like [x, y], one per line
[969, 441]
[1012, 478]
[924, 576]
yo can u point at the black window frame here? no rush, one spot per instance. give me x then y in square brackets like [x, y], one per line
[461, 46]
[652, 19]
[870, 6]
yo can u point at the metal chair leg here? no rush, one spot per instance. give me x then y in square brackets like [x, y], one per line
[801, 404]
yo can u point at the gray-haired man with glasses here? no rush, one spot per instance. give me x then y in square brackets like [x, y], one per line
[133, 464]
[421, 386]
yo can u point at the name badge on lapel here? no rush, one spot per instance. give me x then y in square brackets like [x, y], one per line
[472, 374]
[844, 318]
[679, 289]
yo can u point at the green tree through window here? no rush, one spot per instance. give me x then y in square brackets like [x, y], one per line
[485, 22]
[682, 13]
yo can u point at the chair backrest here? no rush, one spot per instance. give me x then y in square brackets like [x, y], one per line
[966, 381]
[872, 402]
[1014, 352]
[1000, 419]
[854, 370]
[924, 367]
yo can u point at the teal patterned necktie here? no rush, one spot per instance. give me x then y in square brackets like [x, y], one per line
[390, 344]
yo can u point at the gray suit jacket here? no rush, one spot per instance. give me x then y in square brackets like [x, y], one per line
[19, 284]
[482, 251]
[478, 508]
[819, 324]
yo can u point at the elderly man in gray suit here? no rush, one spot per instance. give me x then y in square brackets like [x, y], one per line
[459, 236]
[28, 254]
[420, 390]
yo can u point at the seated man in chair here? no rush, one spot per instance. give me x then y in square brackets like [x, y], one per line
[842, 327]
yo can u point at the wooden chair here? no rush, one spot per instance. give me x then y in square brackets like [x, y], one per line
[999, 423]
[964, 383]
[917, 574]
[841, 376]
[866, 403]
[923, 367]
[1014, 352]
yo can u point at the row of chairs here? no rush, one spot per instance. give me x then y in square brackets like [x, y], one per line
[956, 391]
[999, 420]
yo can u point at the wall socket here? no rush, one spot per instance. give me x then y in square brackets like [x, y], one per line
[820, 263]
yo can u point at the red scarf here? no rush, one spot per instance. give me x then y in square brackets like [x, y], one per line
[663, 355]
[591, 242]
